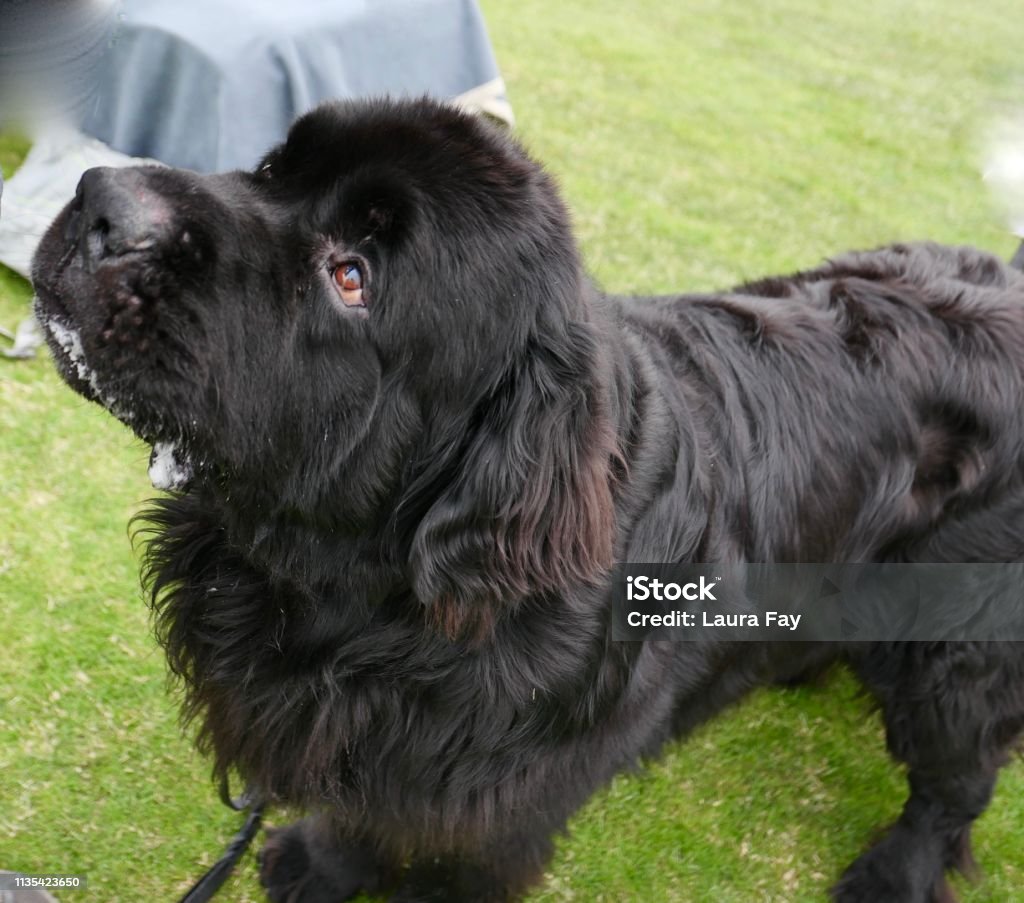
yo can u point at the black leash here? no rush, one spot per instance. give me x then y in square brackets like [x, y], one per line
[208, 885]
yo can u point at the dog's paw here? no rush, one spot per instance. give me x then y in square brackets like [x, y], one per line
[299, 864]
[859, 889]
[285, 866]
[896, 870]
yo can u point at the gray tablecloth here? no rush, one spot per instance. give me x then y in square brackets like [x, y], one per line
[212, 84]
[50, 52]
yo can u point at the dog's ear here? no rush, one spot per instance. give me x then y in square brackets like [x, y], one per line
[529, 507]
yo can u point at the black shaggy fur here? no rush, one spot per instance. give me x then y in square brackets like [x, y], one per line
[384, 576]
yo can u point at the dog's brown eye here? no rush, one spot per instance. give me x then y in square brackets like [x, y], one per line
[348, 278]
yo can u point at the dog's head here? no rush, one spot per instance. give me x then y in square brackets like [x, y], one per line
[385, 323]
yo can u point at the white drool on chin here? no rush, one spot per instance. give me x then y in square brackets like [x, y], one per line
[69, 339]
[71, 342]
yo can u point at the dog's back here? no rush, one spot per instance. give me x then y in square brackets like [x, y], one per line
[854, 412]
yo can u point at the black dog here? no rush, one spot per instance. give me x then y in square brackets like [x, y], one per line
[408, 438]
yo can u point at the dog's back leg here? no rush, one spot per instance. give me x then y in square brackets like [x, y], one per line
[952, 712]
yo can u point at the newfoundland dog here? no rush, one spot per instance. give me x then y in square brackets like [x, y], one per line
[406, 437]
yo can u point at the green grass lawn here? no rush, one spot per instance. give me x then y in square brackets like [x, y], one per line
[699, 143]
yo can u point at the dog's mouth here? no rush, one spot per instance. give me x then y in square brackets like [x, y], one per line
[170, 465]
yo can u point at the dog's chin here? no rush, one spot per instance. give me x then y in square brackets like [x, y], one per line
[65, 342]
[170, 467]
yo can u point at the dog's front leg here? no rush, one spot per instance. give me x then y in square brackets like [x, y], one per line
[308, 862]
[500, 874]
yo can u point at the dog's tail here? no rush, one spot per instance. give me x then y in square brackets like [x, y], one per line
[1004, 173]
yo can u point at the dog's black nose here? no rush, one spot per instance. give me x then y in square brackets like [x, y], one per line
[116, 212]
